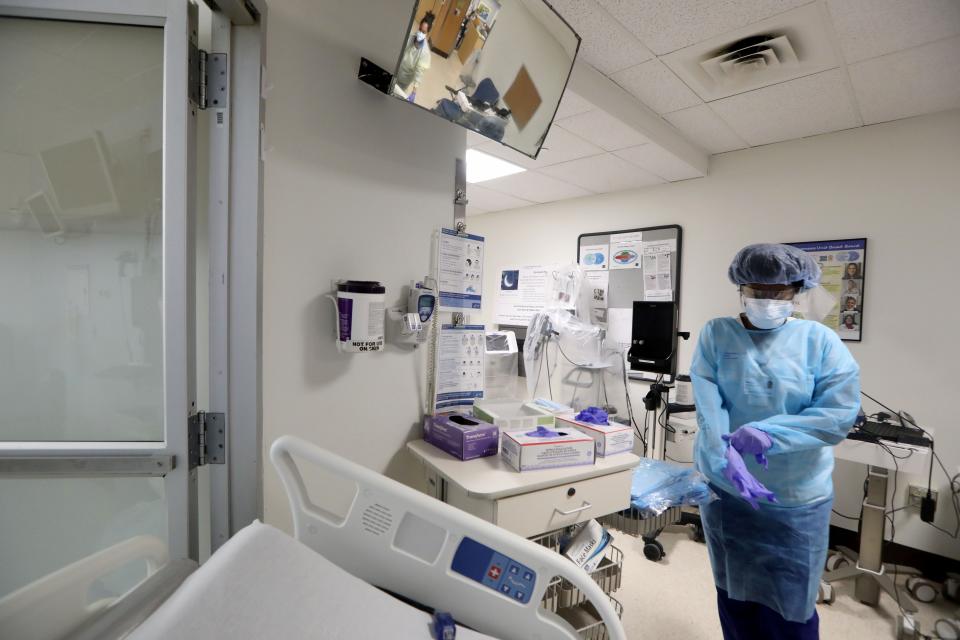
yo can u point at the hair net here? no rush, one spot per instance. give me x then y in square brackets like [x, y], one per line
[774, 264]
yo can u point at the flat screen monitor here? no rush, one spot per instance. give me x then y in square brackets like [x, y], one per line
[653, 344]
[495, 67]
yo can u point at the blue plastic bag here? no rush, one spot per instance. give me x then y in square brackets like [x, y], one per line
[658, 486]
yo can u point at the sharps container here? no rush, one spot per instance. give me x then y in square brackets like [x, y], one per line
[360, 315]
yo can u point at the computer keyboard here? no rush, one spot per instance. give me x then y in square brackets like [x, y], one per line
[873, 431]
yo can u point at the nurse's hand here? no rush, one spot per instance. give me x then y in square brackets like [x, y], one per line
[743, 481]
[750, 441]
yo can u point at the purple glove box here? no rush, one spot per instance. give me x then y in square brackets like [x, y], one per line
[462, 436]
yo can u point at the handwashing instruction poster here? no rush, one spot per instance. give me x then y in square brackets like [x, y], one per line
[460, 271]
[459, 367]
[842, 266]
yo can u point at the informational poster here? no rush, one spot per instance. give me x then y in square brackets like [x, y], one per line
[595, 295]
[594, 257]
[843, 268]
[625, 250]
[657, 274]
[619, 329]
[459, 367]
[522, 293]
[460, 260]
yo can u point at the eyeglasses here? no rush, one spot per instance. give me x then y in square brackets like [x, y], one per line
[768, 294]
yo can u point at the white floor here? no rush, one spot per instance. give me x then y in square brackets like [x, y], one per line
[675, 598]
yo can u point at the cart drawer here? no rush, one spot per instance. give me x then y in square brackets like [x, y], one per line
[564, 505]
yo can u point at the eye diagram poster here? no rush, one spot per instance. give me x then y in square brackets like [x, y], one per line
[843, 267]
[460, 260]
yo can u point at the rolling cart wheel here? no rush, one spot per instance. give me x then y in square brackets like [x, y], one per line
[947, 629]
[653, 551]
[836, 560]
[921, 589]
[826, 594]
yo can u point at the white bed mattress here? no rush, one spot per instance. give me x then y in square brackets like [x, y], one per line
[264, 584]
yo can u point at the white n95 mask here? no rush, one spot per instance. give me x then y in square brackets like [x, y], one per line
[767, 314]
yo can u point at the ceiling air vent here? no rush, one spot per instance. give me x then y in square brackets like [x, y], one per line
[752, 56]
[789, 45]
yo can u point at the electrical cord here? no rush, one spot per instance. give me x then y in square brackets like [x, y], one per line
[954, 490]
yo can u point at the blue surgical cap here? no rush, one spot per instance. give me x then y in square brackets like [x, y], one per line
[774, 264]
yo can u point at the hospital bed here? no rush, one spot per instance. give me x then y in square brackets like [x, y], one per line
[332, 579]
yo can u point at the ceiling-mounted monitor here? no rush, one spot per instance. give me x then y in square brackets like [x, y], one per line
[496, 67]
[81, 177]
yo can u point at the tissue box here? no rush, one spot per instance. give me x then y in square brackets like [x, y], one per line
[512, 415]
[610, 439]
[545, 448]
[461, 436]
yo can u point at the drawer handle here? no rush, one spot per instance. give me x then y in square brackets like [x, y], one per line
[586, 505]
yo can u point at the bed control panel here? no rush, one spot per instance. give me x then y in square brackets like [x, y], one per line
[494, 570]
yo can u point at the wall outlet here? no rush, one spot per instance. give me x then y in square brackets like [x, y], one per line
[918, 493]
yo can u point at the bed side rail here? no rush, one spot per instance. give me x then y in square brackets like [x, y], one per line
[406, 542]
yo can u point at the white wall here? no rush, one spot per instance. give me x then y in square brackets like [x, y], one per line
[898, 184]
[355, 182]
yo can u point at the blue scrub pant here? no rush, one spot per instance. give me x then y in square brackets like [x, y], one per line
[753, 621]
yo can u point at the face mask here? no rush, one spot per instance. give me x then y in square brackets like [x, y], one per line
[767, 314]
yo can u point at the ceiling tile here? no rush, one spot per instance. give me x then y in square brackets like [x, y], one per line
[482, 199]
[571, 104]
[871, 28]
[535, 187]
[658, 161]
[560, 146]
[657, 87]
[701, 126]
[908, 83]
[803, 107]
[668, 25]
[603, 130]
[606, 44]
[602, 174]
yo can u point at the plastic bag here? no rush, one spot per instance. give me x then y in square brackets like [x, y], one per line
[563, 359]
[658, 486]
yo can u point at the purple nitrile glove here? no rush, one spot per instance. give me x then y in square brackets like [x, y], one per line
[750, 440]
[743, 481]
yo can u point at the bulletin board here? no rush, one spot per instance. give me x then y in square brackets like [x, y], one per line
[623, 266]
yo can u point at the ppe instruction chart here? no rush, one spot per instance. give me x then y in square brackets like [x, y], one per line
[842, 270]
[459, 368]
[460, 271]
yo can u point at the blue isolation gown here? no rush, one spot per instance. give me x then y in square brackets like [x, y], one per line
[800, 385]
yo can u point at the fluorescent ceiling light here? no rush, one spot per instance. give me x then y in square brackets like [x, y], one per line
[482, 167]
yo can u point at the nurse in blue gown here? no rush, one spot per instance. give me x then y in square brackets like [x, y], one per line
[773, 395]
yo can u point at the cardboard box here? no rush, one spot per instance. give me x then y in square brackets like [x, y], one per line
[610, 439]
[545, 448]
[461, 436]
[512, 416]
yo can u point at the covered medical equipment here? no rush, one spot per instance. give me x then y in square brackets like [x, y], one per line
[462, 436]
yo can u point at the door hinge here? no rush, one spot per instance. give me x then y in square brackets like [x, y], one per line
[209, 79]
[207, 438]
